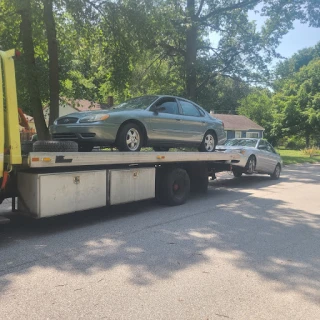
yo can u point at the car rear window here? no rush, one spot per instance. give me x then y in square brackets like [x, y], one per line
[188, 109]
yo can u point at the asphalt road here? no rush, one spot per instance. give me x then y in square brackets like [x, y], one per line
[249, 249]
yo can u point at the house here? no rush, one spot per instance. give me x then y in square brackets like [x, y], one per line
[238, 126]
[68, 106]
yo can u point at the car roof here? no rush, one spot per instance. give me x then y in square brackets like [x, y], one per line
[172, 96]
[178, 97]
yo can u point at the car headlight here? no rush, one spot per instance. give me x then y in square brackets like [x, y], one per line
[95, 118]
[237, 151]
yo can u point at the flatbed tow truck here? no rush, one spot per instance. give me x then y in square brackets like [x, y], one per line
[49, 183]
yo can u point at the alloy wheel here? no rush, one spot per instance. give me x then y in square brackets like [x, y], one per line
[133, 139]
[209, 142]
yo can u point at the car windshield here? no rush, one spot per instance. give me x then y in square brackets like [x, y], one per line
[241, 142]
[137, 103]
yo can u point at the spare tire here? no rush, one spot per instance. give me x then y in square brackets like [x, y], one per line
[26, 147]
[55, 146]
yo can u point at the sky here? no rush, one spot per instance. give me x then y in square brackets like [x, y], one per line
[302, 36]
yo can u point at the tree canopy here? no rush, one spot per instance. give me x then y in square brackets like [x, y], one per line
[92, 49]
[298, 103]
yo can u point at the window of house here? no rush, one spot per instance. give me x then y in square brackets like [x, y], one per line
[238, 134]
[252, 134]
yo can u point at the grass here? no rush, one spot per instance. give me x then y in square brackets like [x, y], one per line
[297, 156]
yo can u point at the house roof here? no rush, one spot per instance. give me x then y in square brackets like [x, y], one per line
[84, 105]
[237, 122]
[29, 118]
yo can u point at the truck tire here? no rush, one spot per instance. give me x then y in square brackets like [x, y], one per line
[55, 146]
[173, 186]
[198, 178]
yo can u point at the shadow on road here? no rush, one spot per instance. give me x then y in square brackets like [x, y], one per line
[264, 235]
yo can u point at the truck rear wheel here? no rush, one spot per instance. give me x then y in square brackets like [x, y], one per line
[199, 175]
[173, 186]
[55, 146]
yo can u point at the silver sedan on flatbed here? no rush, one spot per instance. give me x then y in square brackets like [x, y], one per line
[257, 156]
[157, 121]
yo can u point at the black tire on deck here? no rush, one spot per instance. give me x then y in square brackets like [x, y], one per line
[55, 146]
[85, 147]
[172, 186]
[26, 147]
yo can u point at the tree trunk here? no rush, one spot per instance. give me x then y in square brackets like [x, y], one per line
[307, 139]
[33, 86]
[191, 51]
[53, 60]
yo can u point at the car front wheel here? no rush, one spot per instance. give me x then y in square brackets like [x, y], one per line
[130, 138]
[251, 165]
[276, 173]
[237, 174]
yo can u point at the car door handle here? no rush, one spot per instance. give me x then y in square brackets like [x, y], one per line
[178, 119]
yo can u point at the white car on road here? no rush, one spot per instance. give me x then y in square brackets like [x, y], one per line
[258, 156]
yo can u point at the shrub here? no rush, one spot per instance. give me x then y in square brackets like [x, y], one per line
[313, 151]
[295, 143]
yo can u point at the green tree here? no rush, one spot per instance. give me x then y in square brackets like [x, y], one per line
[258, 106]
[241, 50]
[289, 67]
[23, 7]
[298, 103]
[49, 21]
[223, 94]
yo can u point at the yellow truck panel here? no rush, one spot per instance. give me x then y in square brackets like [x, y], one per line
[9, 134]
